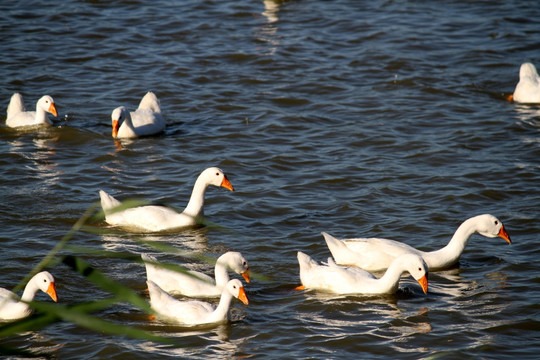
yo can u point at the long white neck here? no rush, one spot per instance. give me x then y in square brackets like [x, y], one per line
[220, 313]
[221, 271]
[30, 291]
[389, 282]
[449, 255]
[195, 205]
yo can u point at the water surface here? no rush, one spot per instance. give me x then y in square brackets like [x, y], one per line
[381, 118]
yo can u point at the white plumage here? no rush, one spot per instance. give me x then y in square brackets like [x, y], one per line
[159, 218]
[13, 308]
[146, 120]
[375, 254]
[18, 116]
[197, 284]
[349, 280]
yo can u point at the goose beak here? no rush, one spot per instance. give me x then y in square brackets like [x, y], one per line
[226, 184]
[502, 233]
[51, 291]
[245, 275]
[510, 97]
[52, 110]
[423, 283]
[242, 296]
[115, 127]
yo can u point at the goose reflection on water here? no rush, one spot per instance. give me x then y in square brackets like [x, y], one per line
[528, 114]
[267, 33]
[40, 154]
[191, 241]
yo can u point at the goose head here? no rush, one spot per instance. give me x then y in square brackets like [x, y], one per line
[490, 226]
[215, 176]
[416, 266]
[45, 282]
[239, 265]
[118, 116]
[46, 103]
[235, 288]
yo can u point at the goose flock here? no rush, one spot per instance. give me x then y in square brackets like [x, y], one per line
[348, 271]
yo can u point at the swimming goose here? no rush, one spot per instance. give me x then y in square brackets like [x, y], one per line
[375, 254]
[528, 88]
[197, 284]
[344, 280]
[11, 308]
[194, 312]
[159, 218]
[18, 116]
[146, 120]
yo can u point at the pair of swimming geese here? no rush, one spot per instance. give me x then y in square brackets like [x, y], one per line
[146, 120]
[360, 255]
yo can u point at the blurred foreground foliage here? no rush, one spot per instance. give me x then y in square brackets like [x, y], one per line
[47, 313]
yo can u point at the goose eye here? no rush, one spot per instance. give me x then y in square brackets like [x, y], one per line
[245, 263]
[44, 280]
[419, 269]
[496, 222]
[217, 174]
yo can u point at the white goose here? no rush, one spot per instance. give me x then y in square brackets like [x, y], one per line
[528, 88]
[375, 254]
[159, 218]
[343, 280]
[11, 308]
[146, 120]
[197, 284]
[194, 312]
[18, 116]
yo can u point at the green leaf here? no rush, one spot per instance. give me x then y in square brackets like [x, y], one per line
[121, 292]
[75, 315]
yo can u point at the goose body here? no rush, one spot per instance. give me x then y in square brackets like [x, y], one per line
[146, 120]
[13, 308]
[528, 88]
[349, 280]
[194, 312]
[18, 116]
[375, 254]
[197, 284]
[160, 218]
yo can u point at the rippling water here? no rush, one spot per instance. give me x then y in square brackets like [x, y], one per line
[380, 118]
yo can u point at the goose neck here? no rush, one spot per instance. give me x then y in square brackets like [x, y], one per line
[220, 313]
[30, 291]
[449, 254]
[220, 272]
[195, 205]
[41, 115]
[389, 282]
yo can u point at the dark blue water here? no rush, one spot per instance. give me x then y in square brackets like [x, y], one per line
[381, 118]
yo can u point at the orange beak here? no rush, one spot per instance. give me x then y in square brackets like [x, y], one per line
[225, 183]
[423, 283]
[300, 288]
[502, 233]
[510, 97]
[52, 109]
[242, 296]
[115, 127]
[245, 275]
[51, 291]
